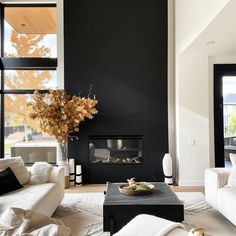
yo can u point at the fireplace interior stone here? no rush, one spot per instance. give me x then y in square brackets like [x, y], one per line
[116, 149]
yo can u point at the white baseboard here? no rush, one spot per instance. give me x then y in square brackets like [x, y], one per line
[191, 182]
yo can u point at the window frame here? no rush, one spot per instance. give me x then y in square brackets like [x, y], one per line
[25, 63]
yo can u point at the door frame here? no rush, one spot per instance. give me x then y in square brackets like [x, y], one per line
[220, 70]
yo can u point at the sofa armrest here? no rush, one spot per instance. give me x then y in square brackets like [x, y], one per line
[57, 176]
[215, 178]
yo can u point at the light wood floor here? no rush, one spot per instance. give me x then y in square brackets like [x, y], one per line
[102, 187]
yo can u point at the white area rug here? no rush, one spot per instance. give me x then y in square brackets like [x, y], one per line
[83, 214]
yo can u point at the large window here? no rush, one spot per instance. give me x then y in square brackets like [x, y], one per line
[30, 31]
[28, 62]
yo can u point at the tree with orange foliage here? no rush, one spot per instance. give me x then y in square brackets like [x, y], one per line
[26, 45]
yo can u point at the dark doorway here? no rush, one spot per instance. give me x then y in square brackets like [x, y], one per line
[224, 113]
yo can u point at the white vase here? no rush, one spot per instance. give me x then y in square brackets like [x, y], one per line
[72, 171]
[167, 168]
[78, 177]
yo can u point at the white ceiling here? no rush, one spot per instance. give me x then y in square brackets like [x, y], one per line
[191, 18]
[221, 30]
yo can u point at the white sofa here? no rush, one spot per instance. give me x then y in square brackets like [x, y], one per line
[42, 198]
[218, 195]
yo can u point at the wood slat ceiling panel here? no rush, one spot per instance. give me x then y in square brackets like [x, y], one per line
[32, 20]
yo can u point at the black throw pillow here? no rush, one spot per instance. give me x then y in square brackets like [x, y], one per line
[8, 181]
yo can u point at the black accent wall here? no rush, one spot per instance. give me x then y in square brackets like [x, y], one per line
[120, 46]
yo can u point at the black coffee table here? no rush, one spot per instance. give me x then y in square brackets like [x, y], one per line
[119, 209]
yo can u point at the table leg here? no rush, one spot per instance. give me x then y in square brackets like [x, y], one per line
[111, 226]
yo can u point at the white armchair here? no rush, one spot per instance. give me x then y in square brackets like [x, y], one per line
[218, 195]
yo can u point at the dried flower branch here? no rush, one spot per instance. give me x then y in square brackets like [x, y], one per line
[60, 114]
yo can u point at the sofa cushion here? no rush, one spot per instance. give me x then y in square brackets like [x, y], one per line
[8, 181]
[42, 198]
[17, 166]
[225, 203]
[40, 172]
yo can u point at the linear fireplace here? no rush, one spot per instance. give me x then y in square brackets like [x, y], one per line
[125, 149]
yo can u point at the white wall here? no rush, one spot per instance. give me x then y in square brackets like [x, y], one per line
[194, 84]
[171, 81]
[60, 43]
[196, 115]
[193, 116]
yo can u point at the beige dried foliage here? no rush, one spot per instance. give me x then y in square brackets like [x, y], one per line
[60, 114]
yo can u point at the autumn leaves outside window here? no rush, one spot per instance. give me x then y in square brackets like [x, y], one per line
[29, 32]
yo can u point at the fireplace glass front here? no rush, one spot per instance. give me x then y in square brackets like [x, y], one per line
[116, 149]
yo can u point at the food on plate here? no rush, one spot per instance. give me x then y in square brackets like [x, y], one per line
[134, 186]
